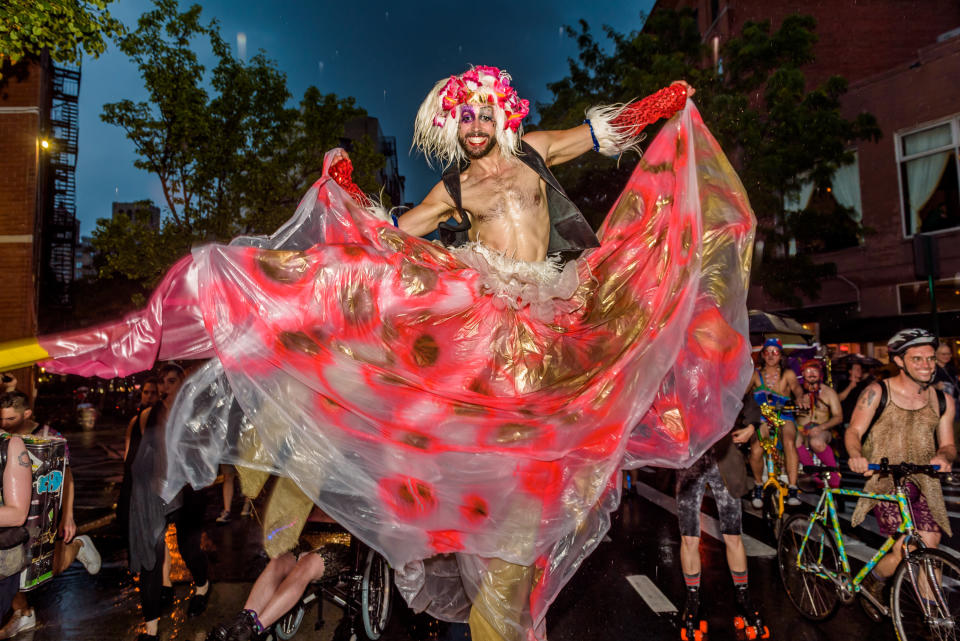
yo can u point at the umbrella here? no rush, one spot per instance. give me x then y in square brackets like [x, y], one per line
[764, 325]
[850, 359]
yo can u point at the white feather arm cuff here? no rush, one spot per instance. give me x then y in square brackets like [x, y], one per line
[612, 140]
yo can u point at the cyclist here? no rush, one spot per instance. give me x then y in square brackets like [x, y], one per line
[822, 412]
[904, 419]
[773, 384]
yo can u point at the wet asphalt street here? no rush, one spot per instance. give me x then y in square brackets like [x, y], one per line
[626, 589]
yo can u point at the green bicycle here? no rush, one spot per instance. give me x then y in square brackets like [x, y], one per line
[924, 590]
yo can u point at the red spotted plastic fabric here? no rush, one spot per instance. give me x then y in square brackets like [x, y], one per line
[379, 372]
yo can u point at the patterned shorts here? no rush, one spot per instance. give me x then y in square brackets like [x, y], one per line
[888, 513]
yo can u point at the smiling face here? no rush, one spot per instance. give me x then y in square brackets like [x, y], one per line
[919, 362]
[477, 129]
[811, 376]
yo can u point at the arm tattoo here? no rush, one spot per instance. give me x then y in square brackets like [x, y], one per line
[24, 459]
[866, 399]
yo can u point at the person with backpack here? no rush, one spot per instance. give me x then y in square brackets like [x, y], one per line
[903, 419]
[17, 481]
[16, 417]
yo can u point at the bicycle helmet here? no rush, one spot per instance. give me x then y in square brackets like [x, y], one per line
[903, 340]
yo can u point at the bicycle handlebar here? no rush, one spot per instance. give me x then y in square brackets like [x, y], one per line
[898, 470]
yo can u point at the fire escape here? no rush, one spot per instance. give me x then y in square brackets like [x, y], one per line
[60, 225]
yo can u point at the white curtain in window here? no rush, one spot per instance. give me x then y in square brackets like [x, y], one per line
[923, 176]
[799, 201]
[846, 187]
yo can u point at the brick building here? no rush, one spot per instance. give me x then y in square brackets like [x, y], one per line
[38, 140]
[902, 62]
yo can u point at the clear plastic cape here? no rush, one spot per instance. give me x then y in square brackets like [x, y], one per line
[464, 417]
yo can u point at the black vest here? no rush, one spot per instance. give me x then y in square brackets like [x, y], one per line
[569, 230]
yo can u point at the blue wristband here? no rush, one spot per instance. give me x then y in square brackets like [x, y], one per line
[396, 221]
[596, 143]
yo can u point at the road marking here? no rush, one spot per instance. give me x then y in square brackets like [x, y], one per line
[708, 524]
[651, 594]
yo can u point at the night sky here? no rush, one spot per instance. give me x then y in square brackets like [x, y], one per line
[385, 54]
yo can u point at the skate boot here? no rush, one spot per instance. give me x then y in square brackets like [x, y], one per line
[692, 627]
[748, 624]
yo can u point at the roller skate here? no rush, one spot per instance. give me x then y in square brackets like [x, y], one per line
[748, 624]
[692, 627]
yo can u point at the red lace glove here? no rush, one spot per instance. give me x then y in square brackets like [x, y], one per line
[342, 174]
[662, 104]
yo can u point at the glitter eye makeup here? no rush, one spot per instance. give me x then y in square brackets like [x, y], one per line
[467, 114]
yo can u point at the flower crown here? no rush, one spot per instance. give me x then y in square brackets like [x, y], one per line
[475, 86]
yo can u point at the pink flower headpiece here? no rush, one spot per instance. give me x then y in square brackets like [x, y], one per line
[470, 86]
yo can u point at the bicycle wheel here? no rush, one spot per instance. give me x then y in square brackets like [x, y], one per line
[815, 597]
[376, 591]
[925, 597]
[290, 622]
[771, 509]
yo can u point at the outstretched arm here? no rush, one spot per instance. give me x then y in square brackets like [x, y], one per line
[610, 129]
[424, 218]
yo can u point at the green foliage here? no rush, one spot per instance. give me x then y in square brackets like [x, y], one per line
[772, 126]
[66, 28]
[232, 157]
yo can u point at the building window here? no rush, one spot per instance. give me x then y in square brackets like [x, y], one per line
[914, 298]
[826, 217]
[929, 179]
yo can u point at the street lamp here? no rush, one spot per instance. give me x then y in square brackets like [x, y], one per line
[44, 143]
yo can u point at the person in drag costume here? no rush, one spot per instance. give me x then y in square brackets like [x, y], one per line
[464, 408]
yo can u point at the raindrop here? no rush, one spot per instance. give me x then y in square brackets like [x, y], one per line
[320, 66]
[384, 95]
[459, 48]
[386, 15]
[560, 31]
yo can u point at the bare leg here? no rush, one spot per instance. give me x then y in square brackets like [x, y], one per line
[888, 564]
[64, 554]
[690, 555]
[756, 461]
[269, 581]
[20, 602]
[788, 433]
[307, 569]
[228, 475]
[736, 553]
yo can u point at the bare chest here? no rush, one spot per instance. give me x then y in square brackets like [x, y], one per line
[512, 196]
[775, 380]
